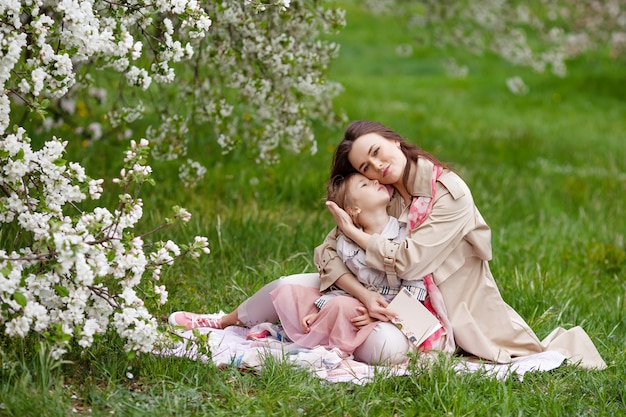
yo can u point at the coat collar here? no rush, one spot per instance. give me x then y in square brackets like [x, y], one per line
[420, 183]
[419, 186]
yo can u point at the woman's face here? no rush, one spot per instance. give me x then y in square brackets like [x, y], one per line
[378, 158]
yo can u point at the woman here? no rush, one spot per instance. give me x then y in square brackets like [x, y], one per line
[453, 244]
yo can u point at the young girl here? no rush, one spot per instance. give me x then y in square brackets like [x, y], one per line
[366, 202]
[342, 322]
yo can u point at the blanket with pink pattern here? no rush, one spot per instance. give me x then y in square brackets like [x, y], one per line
[234, 347]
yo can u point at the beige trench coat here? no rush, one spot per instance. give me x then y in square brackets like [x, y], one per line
[454, 244]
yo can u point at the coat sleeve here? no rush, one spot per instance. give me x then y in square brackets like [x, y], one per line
[328, 263]
[453, 216]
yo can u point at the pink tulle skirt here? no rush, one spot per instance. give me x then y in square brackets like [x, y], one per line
[332, 329]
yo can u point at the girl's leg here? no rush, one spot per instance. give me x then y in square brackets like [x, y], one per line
[385, 345]
[258, 308]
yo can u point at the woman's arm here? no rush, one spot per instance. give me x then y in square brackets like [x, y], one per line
[329, 265]
[454, 215]
[333, 271]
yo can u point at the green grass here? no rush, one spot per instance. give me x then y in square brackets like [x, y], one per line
[548, 172]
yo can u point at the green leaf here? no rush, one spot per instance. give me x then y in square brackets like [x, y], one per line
[61, 290]
[20, 298]
[60, 162]
[19, 156]
[8, 268]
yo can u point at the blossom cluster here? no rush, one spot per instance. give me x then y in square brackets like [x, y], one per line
[269, 102]
[81, 274]
[43, 43]
[68, 274]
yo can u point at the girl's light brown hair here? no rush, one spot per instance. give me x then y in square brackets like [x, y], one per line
[337, 190]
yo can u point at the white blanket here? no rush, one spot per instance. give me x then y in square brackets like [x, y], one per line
[230, 347]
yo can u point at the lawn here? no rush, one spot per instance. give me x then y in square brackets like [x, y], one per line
[547, 170]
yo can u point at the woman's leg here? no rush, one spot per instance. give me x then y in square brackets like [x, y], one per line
[483, 324]
[385, 345]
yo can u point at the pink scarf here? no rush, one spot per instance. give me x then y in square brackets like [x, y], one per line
[421, 207]
[442, 339]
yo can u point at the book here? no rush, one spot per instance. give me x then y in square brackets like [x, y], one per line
[414, 319]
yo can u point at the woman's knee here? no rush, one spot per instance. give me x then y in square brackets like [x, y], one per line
[385, 345]
[308, 280]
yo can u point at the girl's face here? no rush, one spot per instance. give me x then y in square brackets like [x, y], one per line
[366, 194]
[378, 158]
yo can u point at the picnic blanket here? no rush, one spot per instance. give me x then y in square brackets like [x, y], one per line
[233, 347]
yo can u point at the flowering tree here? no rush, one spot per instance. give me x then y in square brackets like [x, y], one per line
[247, 71]
[540, 34]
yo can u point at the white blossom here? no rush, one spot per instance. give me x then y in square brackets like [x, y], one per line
[517, 86]
[19, 326]
[161, 291]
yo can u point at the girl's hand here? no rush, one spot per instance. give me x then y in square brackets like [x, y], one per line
[307, 321]
[362, 320]
[377, 307]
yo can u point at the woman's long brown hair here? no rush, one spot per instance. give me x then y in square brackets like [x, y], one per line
[341, 165]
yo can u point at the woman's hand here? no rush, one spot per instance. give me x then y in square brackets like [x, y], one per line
[374, 302]
[377, 306]
[347, 226]
[363, 319]
[342, 219]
